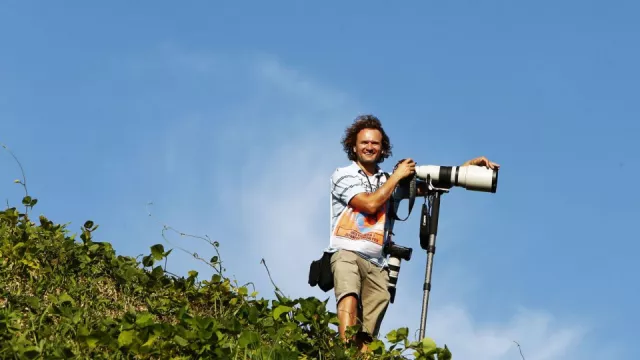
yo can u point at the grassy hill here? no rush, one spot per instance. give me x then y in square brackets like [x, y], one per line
[67, 298]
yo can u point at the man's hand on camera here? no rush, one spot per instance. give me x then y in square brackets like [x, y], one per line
[405, 168]
[482, 161]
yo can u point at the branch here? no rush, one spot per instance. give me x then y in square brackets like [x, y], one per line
[252, 284]
[24, 177]
[195, 255]
[269, 273]
[214, 244]
[519, 349]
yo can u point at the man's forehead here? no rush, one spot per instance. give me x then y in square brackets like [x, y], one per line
[369, 135]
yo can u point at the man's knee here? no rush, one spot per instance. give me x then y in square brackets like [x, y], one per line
[348, 300]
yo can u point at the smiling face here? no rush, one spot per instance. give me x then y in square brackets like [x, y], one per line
[368, 147]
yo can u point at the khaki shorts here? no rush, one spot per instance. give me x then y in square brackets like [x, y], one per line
[354, 275]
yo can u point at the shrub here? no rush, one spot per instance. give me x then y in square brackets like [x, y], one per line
[61, 298]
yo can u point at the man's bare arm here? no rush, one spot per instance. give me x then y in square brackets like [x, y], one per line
[371, 202]
[481, 161]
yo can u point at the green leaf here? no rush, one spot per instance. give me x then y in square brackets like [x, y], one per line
[281, 309]
[427, 344]
[33, 302]
[375, 345]
[151, 340]
[88, 224]
[402, 333]
[300, 317]
[92, 341]
[157, 251]
[64, 298]
[180, 340]
[268, 322]
[83, 331]
[444, 354]
[126, 337]
[147, 261]
[26, 200]
[144, 320]
[157, 272]
[392, 336]
[31, 352]
[253, 315]
[248, 338]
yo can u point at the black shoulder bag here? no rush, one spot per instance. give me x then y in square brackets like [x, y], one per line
[320, 272]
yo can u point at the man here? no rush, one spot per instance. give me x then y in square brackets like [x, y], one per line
[360, 195]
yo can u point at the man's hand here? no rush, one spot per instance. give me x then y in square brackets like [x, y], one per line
[482, 161]
[405, 168]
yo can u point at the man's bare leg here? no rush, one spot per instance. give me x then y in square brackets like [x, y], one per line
[347, 314]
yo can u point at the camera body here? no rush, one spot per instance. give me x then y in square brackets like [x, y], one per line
[397, 251]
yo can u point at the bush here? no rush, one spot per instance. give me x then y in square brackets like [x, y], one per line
[61, 298]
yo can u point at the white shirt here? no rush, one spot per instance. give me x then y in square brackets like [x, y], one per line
[351, 229]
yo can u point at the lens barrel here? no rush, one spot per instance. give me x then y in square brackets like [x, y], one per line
[474, 178]
[394, 270]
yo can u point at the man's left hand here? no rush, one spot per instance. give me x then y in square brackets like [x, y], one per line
[482, 161]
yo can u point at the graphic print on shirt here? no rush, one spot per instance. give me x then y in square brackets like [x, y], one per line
[354, 225]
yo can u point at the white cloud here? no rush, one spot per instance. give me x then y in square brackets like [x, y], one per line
[285, 199]
[540, 335]
[267, 161]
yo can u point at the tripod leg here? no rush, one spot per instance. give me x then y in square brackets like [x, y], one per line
[430, 221]
[426, 289]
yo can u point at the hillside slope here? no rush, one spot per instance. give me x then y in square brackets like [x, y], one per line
[62, 298]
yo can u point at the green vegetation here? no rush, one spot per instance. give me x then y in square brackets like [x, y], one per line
[62, 298]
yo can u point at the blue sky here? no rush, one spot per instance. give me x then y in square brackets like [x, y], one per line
[228, 118]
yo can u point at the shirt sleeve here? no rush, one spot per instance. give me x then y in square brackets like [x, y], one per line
[344, 186]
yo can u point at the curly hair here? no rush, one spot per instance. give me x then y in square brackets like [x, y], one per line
[351, 134]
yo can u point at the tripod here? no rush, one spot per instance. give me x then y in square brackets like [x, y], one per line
[428, 232]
